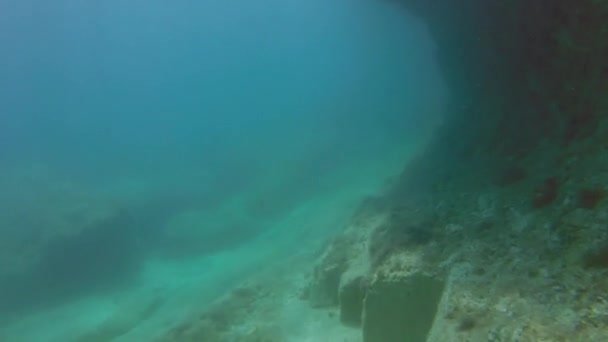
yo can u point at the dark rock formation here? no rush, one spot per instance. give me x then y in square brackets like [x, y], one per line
[520, 73]
[324, 288]
[352, 293]
[401, 308]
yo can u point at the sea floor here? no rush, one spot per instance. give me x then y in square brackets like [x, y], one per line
[170, 292]
[152, 311]
[173, 292]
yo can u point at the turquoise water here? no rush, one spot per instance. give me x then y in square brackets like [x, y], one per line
[179, 147]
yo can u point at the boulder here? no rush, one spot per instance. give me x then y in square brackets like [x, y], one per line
[324, 287]
[352, 293]
[325, 284]
[353, 287]
[400, 308]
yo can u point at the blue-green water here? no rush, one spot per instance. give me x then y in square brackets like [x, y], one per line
[151, 145]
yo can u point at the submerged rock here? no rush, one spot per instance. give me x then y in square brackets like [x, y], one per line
[341, 275]
[324, 288]
[354, 285]
[401, 308]
[352, 294]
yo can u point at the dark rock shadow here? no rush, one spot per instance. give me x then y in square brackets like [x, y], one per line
[98, 259]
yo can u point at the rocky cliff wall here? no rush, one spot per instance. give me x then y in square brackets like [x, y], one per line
[502, 220]
[520, 74]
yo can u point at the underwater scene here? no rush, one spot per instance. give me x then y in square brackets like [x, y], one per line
[304, 171]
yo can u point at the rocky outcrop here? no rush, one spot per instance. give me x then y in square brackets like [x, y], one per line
[400, 307]
[522, 76]
[390, 298]
[354, 285]
[508, 203]
[324, 288]
[323, 291]
[352, 293]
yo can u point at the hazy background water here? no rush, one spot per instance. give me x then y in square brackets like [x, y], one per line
[231, 112]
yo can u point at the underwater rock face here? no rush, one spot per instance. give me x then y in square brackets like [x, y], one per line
[401, 308]
[324, 288]
[352, 293]
[522, 75]
[398, 234]
[391, 300]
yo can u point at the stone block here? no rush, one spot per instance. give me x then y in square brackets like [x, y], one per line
[324, 287]
[352, 293]
[400, 308]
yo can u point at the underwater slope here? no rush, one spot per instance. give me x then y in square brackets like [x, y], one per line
[142, 294]
[498, 231]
